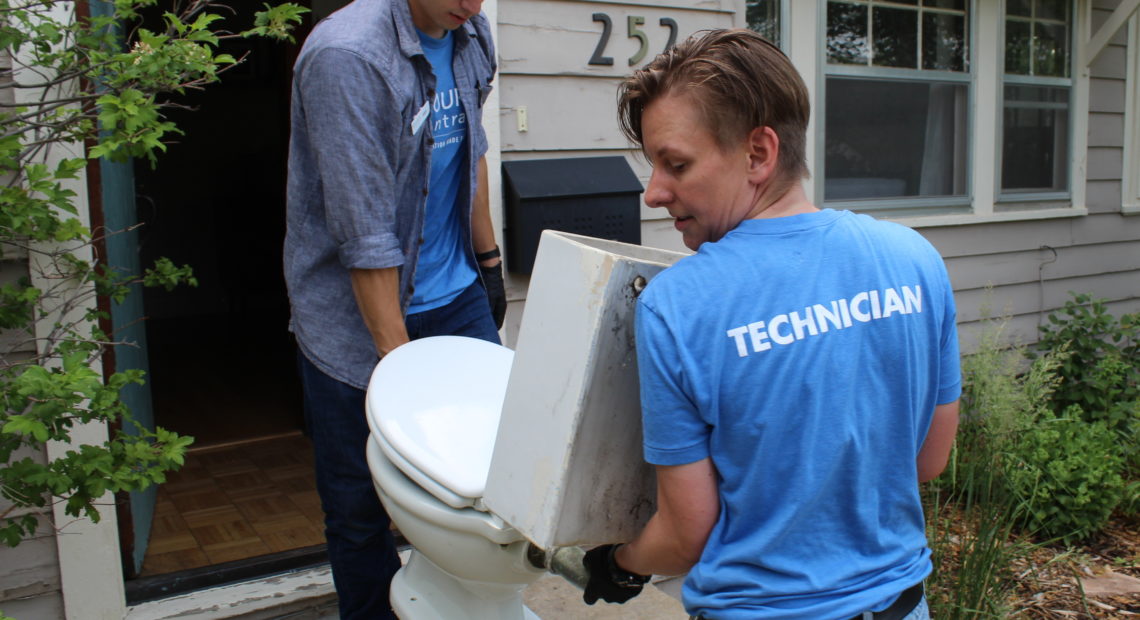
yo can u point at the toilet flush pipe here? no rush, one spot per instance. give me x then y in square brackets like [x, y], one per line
[566, 562]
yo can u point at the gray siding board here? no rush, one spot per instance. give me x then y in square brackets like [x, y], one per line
[1027, 267]
[1106, 96]
[1110, 228]
[1103, 196]
[1022, 328]
[1105, 163]
[953, 241]
[1110, 63]
[1106, 130]
[1030, 298]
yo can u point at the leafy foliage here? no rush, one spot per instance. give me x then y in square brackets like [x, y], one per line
[100, 81]
[1102, 373]
[1068, 475]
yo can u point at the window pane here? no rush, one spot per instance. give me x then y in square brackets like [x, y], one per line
[946, 4]
[1019, 7]
[1051, 50]
[846, 34]
[896, 37]
[889, 139]
[1035, 139]
[1053, 9]
[914, 2]
[764, 17]
[943, 42]
[1016, 47]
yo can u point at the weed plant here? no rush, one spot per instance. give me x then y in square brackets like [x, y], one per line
[972, 513]
[1047, 448]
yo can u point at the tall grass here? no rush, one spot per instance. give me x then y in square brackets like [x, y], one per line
[971, 513]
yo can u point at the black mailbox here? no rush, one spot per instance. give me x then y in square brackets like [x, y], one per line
[595, 196]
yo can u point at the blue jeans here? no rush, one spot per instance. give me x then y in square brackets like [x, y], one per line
[361, 549]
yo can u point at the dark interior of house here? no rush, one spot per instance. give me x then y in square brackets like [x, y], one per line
[222, 364]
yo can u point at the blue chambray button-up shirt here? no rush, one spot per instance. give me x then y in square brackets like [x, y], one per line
[359, 161]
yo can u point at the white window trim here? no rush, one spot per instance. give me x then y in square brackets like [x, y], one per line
[1130, 171]
[806, 23]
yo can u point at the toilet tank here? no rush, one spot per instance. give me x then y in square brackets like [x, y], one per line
[567, 467]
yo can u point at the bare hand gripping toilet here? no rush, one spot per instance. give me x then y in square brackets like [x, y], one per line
[485, 456]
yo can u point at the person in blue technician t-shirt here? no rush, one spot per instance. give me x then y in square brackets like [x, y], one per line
[389, 236]
[799, 373]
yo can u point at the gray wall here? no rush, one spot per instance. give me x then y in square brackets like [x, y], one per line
[1031, 266]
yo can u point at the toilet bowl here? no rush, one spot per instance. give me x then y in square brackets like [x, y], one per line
[433, 409]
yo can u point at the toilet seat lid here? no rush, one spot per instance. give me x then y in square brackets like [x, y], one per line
[437, 402]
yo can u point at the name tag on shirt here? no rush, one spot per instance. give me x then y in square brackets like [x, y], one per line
[421, 118]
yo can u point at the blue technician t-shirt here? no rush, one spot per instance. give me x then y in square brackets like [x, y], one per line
[805, 356]
[444, 269]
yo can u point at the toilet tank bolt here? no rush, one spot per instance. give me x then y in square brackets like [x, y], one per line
[638, 285]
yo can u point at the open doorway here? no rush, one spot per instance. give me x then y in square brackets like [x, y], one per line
[222, 365]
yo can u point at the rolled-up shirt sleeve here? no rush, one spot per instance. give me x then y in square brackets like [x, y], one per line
[354, 120]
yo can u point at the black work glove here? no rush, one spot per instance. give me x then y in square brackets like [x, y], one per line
[608, 581]
[496, 292]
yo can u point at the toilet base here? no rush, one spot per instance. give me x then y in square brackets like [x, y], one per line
[423, 591]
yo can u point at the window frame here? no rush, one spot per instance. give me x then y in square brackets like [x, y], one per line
[902, 206]
[782, 27]
[1005, 198]
[807, 49]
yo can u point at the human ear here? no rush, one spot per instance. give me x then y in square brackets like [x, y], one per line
[763, 147]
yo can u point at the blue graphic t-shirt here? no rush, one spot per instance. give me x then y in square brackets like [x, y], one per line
[444, 269]
[804, 356]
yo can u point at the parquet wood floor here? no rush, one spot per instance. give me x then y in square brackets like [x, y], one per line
[236, 502]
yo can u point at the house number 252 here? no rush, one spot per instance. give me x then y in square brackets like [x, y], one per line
[632, 27]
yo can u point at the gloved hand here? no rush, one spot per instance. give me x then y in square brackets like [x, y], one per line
[496, 292]
[608, 581]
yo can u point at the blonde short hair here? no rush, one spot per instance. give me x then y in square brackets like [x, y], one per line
[739, 80]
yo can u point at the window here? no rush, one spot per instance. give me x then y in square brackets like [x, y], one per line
[1035, 98]
[763, 16]
[897, 99]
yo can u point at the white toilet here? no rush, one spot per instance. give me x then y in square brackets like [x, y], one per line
[433, 408]
[470, 471]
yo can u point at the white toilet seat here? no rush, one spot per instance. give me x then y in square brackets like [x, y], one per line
[433, 408]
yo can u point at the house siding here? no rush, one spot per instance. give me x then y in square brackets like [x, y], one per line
[544, 51]
[1022, 269]
[29, 573]
[1027, 269]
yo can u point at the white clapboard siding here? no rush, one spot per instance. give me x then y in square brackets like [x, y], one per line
[1009, 267]
[543, 37]
[29, 572]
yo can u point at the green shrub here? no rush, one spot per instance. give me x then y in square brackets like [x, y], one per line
[1102, 373]
[1067, 474]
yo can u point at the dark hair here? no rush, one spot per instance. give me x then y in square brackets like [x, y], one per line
[738, 80]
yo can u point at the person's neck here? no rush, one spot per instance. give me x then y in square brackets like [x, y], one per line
[423, 22]
[792, 201]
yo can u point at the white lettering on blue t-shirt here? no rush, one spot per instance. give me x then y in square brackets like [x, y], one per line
[818, 319]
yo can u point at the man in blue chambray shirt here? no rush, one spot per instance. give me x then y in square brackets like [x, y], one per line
[389, 236]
